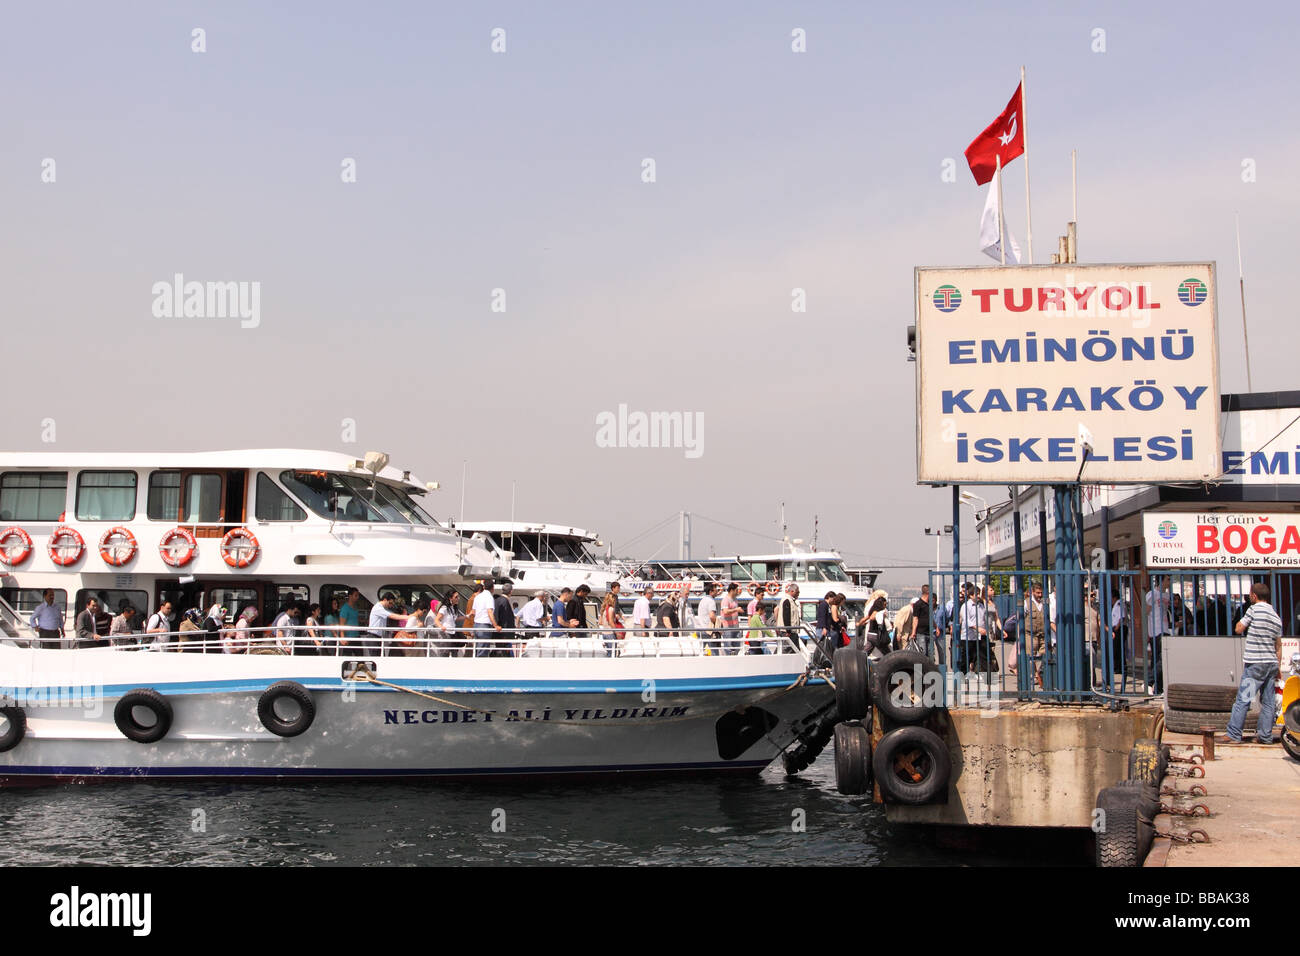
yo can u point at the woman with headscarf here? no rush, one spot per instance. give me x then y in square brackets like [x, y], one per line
[236, 640]
[212, 626]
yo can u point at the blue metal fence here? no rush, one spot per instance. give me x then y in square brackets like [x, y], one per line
[1080, 635]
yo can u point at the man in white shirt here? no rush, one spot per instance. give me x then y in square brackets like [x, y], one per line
[641, 614]
[485, 620]
[973, 628]
[47, 621]
[159, 624]
[381, 615]
[1157, 622]
[534, 612]
[285, 629]
[706, 616]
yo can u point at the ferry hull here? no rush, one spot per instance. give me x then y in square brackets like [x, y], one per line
[441, 718]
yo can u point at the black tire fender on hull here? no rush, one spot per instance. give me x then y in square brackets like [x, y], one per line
[286, 727]
[150, 700]
[16, 729]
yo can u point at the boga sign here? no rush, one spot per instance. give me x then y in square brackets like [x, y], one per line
[1017, 367]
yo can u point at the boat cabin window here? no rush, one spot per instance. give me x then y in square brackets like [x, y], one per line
[273, 504]
[751, 571]
[398, 506]
[164, 502]
[340, 591]
[568, 550]
[202, 498]
[106, 496]
[831, 571]
[33, 495]
[25, 600]
[112, 600]
[197, 497]
[278, 595]
[410, 596]
[234, 600]
[333, 496]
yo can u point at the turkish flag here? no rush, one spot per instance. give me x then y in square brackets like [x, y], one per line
[1004, 137]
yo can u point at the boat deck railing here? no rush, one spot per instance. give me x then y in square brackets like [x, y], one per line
[568, 643]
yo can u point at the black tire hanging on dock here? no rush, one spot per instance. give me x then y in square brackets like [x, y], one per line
[1191, 721]
[895, 689]
[15, 729]
[851, 671]
[145, 698]
[1126, 824]
[1147, 761]
[852, 759]
[1202, 697]
[911, 765]
[286, 690]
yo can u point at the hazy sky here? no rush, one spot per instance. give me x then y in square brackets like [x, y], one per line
[522, 171]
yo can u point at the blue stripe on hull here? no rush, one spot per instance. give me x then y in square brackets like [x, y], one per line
[66, 774]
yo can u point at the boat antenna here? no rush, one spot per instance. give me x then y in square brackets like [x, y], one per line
[814, 547]
[784, 537]
[464, 469]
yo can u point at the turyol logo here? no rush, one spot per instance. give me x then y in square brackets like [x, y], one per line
[1166, 529]
[946, 298]
[1191, 292]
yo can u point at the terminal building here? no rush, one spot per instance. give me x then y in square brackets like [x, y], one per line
[1208, 538]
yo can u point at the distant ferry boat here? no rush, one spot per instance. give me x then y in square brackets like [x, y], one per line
[816, 572]
[546, 557]
[261, 529]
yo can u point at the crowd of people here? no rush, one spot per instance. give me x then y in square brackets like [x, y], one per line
[727, 620]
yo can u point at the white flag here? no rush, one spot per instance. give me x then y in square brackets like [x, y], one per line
[989, 239]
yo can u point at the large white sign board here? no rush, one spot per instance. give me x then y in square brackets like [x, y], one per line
[1014, 364]
[1221, 539]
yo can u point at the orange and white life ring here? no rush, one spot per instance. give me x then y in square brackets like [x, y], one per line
[117, 546]
[66, 546]
[174, 556]
[15, 546]
[774, 588]
[239, 547]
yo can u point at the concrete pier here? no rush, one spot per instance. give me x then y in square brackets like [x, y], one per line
[1030, 764]
[1254, 796]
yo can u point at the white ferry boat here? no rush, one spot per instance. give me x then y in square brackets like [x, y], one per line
[261, 528]
[546, 557]
[816, 572]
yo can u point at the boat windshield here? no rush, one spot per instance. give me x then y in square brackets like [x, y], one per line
[341, 497]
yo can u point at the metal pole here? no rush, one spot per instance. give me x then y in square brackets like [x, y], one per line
[1042, 529]
[1024, 133]
[1244, 334]
[956, 533]
[1002, 233]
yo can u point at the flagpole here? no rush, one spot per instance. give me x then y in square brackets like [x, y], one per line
[1002, 235]
[1241, 272]
[1024, 133]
